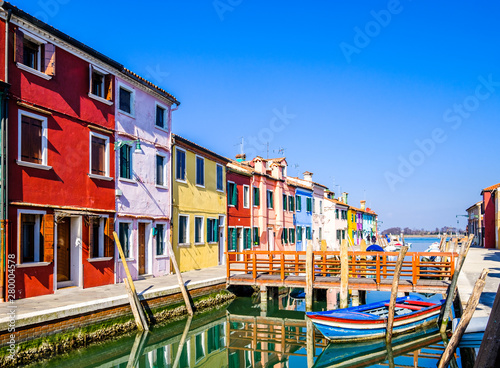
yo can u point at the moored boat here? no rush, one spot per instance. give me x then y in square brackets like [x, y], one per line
[369, 321]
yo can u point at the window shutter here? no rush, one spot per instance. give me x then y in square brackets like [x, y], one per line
[257, 197]
[209, 229]
[233, 240]
[48, 238]
[216, 230]
[109, 242]
[284, 202]
[108, 87]
[18, 48]
[50, 59]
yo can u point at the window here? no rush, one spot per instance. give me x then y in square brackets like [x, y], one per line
[31, 54]
[309, 204]
[97, 84]
[32, 138]
[124, 236]
[320, 207]
[246, 196]
[99, 158]
[34, 54]
[198, 230]
[160, 240]
[220, 178]
[299, 233]
[291, 203]
[212, 230]
[343, 234]
[320, 234]
[232, 194]
[247, 238]
[314, 205]
[31, 238]
[291, 235]
[126, 100]
[160, 116]
[183, 229]
[180, 164]
[256, 236]
[270, 202]
[96, 237]
[161, 171]
[199, 348]
[125, 162]
[284, 236]
[337, 214]
[231, 244]
[308, 233]
[298, 200]
[285, 201]
[101, 85]
[200, 171]
[256, 197]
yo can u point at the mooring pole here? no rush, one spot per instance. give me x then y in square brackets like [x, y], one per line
[184, 292]
[394, 292]
[310, 343]
[187, 327]
[309, 276]
[445, 313]
[464, 321]
[489, 352]
[344, 275]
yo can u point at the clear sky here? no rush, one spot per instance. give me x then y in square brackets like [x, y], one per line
[395, 102]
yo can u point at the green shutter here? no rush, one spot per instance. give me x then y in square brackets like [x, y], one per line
[209, 239]
[232, 238]
[285, 235]
[248, 239]
[298, 199]
[256, 236]
[292, 203]
[216, 230]
[285, 198]
[256, 196]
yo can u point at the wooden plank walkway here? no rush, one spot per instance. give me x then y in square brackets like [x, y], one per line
[367, 270]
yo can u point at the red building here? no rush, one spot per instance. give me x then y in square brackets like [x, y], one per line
[61, 187]
[239, 204]
[489, 211]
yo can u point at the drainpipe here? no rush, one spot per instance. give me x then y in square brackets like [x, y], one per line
[251, 210]
[172, 144]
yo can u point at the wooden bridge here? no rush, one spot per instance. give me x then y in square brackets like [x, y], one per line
[367, 270]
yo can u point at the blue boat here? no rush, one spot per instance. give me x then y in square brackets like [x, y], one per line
[369, 321]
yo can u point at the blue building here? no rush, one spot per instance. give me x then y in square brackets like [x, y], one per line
[303, 211]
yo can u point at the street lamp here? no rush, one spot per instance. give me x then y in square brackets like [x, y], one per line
[120, 144]
[457, 216]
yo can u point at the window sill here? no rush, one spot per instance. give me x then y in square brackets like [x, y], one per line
[126, 113]
[100, 177]
[131, 181]
[129, 259]
[181, 181]
[33, 264]
[33, 71]
[200, 243]
[221, 191]
[33, 165]
[161, 128]
[100, 259]
[161, 187]
[213, 242]
[162, 257]
[200, 186]
[184, 245]
[100, 99]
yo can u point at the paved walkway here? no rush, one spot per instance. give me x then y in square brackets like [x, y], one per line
[477, 259]
[74, 301]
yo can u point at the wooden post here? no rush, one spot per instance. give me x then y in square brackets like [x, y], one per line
[135, 304]
[445, 312]
[441, 242]
[390, 355]
[137, 349]
[394, 292]
[184, 292]
[355, 298]
[344, 275]
[183, 341]
[464, 321]
[309, 276]
[263, 298]
[489, 352]
[310, 343]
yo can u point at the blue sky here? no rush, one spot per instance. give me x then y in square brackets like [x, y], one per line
[395, 102]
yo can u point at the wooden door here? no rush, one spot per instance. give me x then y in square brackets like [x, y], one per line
[64, 250]
[142, 248]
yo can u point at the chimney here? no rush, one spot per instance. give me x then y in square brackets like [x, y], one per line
[363, 205]
[308, 176]
[344, 197]
[241, 157]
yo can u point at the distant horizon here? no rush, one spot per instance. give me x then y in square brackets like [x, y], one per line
[394, 102]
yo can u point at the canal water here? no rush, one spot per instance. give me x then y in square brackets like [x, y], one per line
[241, 335]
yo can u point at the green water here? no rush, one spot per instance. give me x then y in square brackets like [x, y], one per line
[241, 335]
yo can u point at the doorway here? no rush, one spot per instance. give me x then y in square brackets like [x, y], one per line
[64, 250]
[222, 241]
[142, 248]
[239, 242]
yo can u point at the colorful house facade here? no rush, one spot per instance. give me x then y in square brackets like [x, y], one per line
[199, 208]
[303, 212]
[490, 216]
[474, 224]
[335, 221]
[143, 172]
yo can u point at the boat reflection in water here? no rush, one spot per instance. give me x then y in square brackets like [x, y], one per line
[243, 335]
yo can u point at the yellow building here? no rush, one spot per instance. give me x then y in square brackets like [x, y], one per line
[352, 225]
[198, 205]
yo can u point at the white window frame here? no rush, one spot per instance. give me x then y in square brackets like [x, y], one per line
[130, 239]
[188, 238]
[165, 167]
[216, 178]
[320, 207]
[165, 240]
[19, 161]
[106, 163]
[214, 219]
[39, 41]
[196, 171]
[100, 246]
[228, 198]
[131, 179]
[38, 225]
[132, 100]
[185, 165]
[267, 199]
[202, 238]
[247, 196]
[165, 116]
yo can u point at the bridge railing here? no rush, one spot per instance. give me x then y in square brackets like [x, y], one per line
[377, 265]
